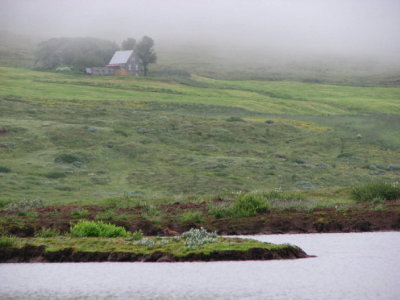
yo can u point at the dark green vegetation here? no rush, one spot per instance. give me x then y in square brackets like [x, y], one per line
[376, 191]
[97, 229]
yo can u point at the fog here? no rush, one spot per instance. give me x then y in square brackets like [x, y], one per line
[354, 28]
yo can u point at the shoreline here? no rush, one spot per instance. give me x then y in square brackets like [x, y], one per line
[322, 220]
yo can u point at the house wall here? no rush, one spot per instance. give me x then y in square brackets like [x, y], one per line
[102, 71]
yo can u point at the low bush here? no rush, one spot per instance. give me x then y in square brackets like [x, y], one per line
[197, 237]
[376, 190]
[55, 175]
[4, 169]
[248, 205]
[66, 158]
[235, 119]
[97, 229]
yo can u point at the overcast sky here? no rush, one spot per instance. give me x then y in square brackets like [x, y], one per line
[370, 27]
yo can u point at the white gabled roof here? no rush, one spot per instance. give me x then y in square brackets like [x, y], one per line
[120, 57]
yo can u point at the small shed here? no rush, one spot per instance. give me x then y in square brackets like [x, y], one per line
[124, 63]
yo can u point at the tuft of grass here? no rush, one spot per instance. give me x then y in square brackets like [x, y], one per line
[108, 215]
[6, 241]
[245, 205]
[97, 229]
[47, 232]
[191, 217]
[80, 213]
[376, 190]
[29, 214]
[136, 236]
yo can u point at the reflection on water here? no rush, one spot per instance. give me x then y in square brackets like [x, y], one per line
[347, 266]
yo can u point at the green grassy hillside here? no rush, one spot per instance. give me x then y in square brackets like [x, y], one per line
[81, 139]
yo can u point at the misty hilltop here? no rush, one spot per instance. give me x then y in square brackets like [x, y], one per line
[227, 39]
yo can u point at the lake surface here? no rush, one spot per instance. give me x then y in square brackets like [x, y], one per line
[348, 266]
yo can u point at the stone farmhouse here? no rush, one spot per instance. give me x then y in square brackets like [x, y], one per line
[122, 63]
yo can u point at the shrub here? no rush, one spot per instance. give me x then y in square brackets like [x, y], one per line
[248, 205]
[66, 158]
[55, 175]
[97, 229]
[376, 190]
[245, 205]
[197, 237]
[4, 169]
[47, 232]
[235, 119]
[80, 213]
[192, 217]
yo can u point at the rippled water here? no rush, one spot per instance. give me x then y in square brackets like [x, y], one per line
[347, 266]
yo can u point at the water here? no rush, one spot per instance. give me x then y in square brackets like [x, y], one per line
[348, 266]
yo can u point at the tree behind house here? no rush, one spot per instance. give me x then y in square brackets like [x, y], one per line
[128, 44]
[76, 53]
[145, 53]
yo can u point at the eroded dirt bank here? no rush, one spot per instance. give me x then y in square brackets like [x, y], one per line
[355, 219]
[38, 254]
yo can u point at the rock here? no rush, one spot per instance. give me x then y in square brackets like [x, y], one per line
[393, 167]
[379, 172]
[321, 165]
[269, 122]
[90, 128]
[304, 185]
[77, 164]
[142, 130]
[371, 167]
[344, 155]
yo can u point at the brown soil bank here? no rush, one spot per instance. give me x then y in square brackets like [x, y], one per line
[357, 218]
[38, 254]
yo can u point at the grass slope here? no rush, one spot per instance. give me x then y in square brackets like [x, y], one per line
[159, 138]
